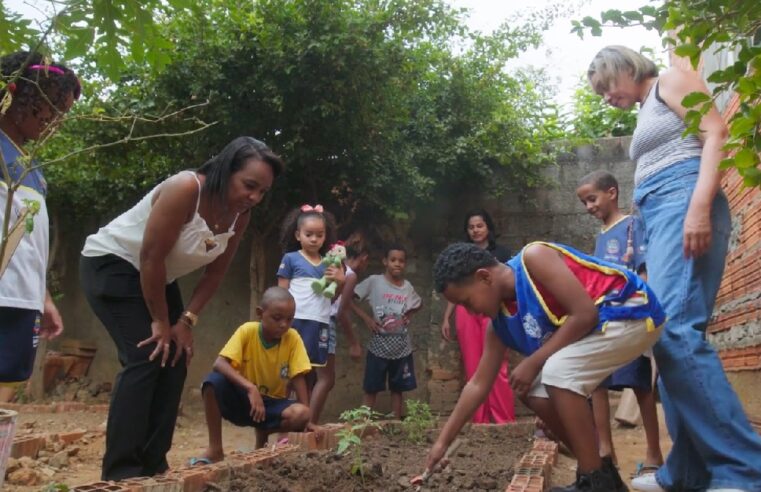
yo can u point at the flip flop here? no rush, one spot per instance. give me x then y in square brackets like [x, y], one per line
[199, 461]
[644, 469]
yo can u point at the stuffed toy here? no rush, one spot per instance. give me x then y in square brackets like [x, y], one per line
[335, 257]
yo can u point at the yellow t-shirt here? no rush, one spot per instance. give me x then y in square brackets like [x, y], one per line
[268, 367]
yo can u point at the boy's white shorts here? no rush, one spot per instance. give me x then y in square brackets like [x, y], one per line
[581, 366]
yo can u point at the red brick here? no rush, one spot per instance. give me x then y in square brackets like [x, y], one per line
[527, 483]
[305, 440]
[28, 446]
[549, 447]
[190, 479]
[537, 460]
[218, 473]
[530, 471]
[163, 483]
[134, 484]
[73, 436]
[97, 487]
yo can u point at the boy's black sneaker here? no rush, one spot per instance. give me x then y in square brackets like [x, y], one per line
[596, 481]
[610, 469]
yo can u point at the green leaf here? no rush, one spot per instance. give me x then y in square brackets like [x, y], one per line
[751, 176]
[612, 15]
[634, 15]
[590, 22]
[746, 87]
[741, 125]
[342, 447]
[721, 76]
[695, 98]
[746, 158]
[688, 50]
[727, 163]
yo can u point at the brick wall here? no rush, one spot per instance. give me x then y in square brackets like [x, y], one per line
[735, 330]
[736, 326]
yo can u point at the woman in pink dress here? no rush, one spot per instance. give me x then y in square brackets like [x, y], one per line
[471, 328]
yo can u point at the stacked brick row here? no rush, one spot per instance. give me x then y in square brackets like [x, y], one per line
[196, 478]
[59, 407]
[31, 445]
[327, 438]
[533, 470]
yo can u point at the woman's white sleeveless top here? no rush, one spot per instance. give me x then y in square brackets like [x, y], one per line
[196, 245]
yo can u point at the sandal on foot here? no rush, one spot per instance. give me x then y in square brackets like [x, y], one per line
[644, 469]
[199, 461]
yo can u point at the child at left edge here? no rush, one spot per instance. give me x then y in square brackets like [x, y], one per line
[576, 318]
[249, 384]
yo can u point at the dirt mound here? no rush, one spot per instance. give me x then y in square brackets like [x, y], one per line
[483, 461]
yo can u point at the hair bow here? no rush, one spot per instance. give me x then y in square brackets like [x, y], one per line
[47, 68]
[308, 208]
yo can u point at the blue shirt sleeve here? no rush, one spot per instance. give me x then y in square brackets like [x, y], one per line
[285, 270]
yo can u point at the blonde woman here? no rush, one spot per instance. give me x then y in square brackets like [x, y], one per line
[687, 222]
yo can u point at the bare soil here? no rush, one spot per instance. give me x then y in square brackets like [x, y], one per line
[484, 461]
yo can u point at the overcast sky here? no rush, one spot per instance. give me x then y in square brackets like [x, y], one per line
[563, 55]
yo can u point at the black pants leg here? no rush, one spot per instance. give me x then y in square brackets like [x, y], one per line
[146, 397]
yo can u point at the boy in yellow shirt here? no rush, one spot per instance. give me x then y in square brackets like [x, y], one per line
[249, 384]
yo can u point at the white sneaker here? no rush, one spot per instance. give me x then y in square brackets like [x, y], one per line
[647, 482]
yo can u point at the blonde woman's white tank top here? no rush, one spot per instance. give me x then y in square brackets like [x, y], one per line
[196, 245]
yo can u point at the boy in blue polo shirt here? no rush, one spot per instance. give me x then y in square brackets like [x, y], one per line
[249, 384]
[622, 241]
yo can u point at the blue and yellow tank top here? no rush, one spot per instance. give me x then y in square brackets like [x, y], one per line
[535, 315]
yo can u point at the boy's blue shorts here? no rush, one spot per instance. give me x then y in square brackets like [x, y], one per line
[399, 372]
[637, 374]
[19, 335]
[234, 405]
[316, 339]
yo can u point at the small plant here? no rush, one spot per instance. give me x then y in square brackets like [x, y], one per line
[419, 419]
[56, 487]
[360, 420]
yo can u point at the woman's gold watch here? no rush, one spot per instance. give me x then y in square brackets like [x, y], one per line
[191, 318]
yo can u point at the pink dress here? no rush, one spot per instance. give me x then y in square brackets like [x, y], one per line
[471, 332]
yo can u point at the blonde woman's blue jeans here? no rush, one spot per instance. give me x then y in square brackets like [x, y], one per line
[714, 443]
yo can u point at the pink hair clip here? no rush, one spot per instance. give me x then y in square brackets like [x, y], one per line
[47, 68]
[308, 208]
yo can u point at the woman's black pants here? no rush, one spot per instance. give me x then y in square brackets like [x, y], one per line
[146, 396]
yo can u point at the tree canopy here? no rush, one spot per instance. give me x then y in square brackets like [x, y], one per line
[591, 117]
[376, 106]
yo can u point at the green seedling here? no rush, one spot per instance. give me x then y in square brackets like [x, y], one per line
[418, 421]
[56, 487]
[359, 421]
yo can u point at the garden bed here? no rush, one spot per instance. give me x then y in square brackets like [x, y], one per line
[483, 461]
